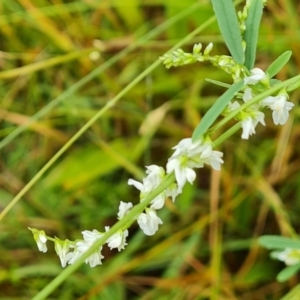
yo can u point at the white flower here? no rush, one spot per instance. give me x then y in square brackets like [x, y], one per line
[250, 122]
[62, 249]
[187, 147]
[189, 155]
[40, 238]
[149, 221]
[117, 240]
[89, 237]
[180, 162]
[280, 107]
[94, 259]
[250, 118]
[256, 76]
[124, 209]
[211, 157]
[172, 191]
[289, 256]
[248, 128]
[182, 171]
[152, 181]
[155, 174]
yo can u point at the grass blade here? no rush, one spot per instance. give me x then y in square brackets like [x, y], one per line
[251, 33]
[229, 27]
[213, 113]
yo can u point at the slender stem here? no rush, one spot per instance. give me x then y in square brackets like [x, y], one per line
[232, 130]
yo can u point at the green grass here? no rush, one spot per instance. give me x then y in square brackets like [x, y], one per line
[206, 248]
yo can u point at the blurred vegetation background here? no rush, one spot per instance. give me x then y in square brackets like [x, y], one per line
[206, 248]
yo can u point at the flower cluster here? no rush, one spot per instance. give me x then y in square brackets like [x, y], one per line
[181, 58]
[188, 155]
[255, 83]
[224, 62]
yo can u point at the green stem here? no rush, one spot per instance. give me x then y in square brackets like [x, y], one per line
[122, 224]
[232, 130]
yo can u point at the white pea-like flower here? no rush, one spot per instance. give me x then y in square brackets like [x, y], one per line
[62, 249]
[149, 221]
[183, 172]
[280, 107]
[40, 238]
[250, 118]
[152, 181]
[250, 122]
[256, 76]
[210, 157]
[117, 240]
[124, 208]
[172, 191]
[89, 238]
[189, 155]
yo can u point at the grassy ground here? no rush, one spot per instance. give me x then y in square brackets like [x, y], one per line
[61, 62]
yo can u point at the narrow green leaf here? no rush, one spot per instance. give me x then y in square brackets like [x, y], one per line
[229, 27]
[278, 64]
[278, 242]
[251, 32]
[287, 273]
[216, 110]
[292, 294]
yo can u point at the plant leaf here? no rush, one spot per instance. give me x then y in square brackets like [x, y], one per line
[251, 32]
[292, 294]
[287, 273]
[216, 110]
[278, 242]
[278, 64]
[229, 27]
